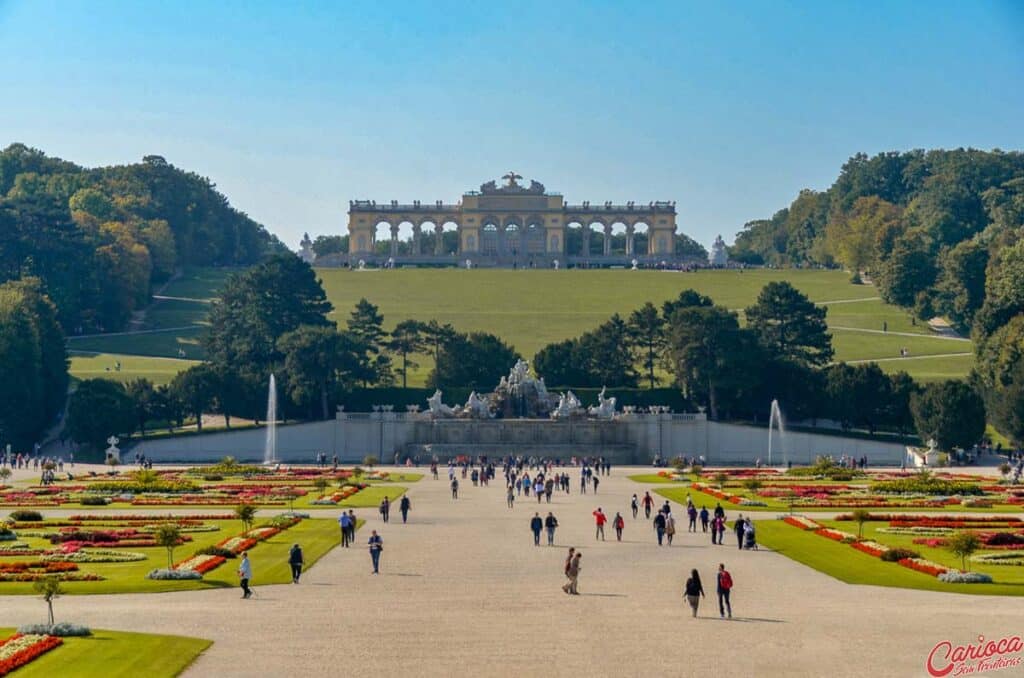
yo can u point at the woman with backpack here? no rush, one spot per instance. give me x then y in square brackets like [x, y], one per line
[694, 591]
[618, 523]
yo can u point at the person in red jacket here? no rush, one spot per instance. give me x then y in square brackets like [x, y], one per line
[724, 588]
[600, 519]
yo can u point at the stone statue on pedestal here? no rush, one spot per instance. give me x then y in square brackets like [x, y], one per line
[719, 254]
[568, 406]
[605, 409]
[438, 410]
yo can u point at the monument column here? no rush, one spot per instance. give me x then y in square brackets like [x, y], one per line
[607, 239]
[438, 237]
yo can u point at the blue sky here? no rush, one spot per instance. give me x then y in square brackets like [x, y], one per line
[293, 108]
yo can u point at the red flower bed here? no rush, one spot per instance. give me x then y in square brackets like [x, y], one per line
[933, 542]
[150, 519]
[933, 570]
[28, 654]
[871, 551]
[54, 567]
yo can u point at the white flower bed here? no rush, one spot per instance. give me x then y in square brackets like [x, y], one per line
[956, 577]
[60, 629]
[95, 556]
[16, 645]
[162, 574]
[919, 531]
[195, 562]
[999, 558]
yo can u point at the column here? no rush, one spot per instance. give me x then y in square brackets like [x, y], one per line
[417, 234]
[438, 244]
[585, 245]
[629, 239]
[394, 240]
[607, 240]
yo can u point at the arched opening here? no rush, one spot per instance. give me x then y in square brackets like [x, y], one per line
[489, 239]
[617, 239]
[640, 237]
[513, 237]
[594, 236]
[402, 242]
[424, 238]
[381, 244]
[573, 237]
[449, 237]
[534, 236]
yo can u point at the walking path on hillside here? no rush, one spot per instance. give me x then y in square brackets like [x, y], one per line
[909, 357]
[463, 592]
[898, 334]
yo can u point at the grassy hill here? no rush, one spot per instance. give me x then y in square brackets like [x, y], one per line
[532, 308]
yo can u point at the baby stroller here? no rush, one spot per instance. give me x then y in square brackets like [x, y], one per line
[750, 538]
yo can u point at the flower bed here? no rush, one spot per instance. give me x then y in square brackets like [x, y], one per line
[957, 577]
[872, 548]
[19, 650]
[925, 566]
[200, 563]
[94, 556]
[999, 558]
[801, 522]
[836, 535]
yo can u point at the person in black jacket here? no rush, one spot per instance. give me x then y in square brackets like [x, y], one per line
[738, 527]
[404, 507]
[694, 591]
[535, 526]
[295, 560]
[550, 523]
[659, 526]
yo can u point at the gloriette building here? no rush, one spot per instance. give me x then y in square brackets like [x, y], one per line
[513, 224]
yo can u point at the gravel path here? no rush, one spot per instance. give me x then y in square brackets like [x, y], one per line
[463, 592]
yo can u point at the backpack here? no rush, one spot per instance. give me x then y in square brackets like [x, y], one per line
[725, 580]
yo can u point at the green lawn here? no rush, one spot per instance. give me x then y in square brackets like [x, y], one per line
[269, 559]
[112, 654]
[654, 478]
[372, 496]
[847, 564]
[96, 365]
[517, 306]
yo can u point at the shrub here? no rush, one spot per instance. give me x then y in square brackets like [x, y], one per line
[173, 574]
[925, 484]
[62, 630]
[7, 534]
[26, 516]
[1005, 539]
[213, 477]
[92, 500]
[213, 550]
[954, 577]
[897, 554]
[696, 469]
[963, 545]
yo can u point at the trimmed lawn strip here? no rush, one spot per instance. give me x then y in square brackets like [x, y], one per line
[655, 478]
[110, 654]
[849, 565]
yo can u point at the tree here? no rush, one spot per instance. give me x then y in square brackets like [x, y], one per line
[407, 338]
[143, 397]
[950, 412]
[370, 461]
[477, 360]
[196, 388]
[256, 307]
[706, 350]
[48, 587]
[313, 356]
[5, 473]
[858, 394]
[366, 327]
[562, 363]
[686, 299]
[246, 513]
[910, 269]
[438, 336]
[168, 535]
[606, 354]
[646, 331]
[330, 244]
[320, 483]
[960, 289]
[902, 389]
[98, 409]
[861, 516]
[789, 326]
[852, 235]
[963, 544]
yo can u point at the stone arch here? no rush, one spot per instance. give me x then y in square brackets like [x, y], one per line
[615, 243]
[381, 236]
[593, 235]
[449, 232]
[512, 236]
[424, 235]
[573, 233]
[638, 238]
[535, 235]
[489, 236]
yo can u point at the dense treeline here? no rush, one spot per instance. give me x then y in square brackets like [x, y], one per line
[34, 368]
[940, 233]
[99, 238]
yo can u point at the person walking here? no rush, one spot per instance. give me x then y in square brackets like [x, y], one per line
[670, 527]
[634, 504]
[659, 526]
[618, 523]
[724, 589]
[739, 527]
[574, 575]
[691, 513]
[376, 546]
[244, 575]
[596, 481]
[567, 567]
[704, 516]
[694, 591]
[343, 524]
[536, 523]
[550, 523]
[721, 531]
[295, 560]
[352, 524]
[510, 496]
[404, 507]
[648, 502]
[599, 520]
[455, 488]
[385, 509]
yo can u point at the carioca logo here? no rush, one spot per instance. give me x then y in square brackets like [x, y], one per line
[945, 656]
